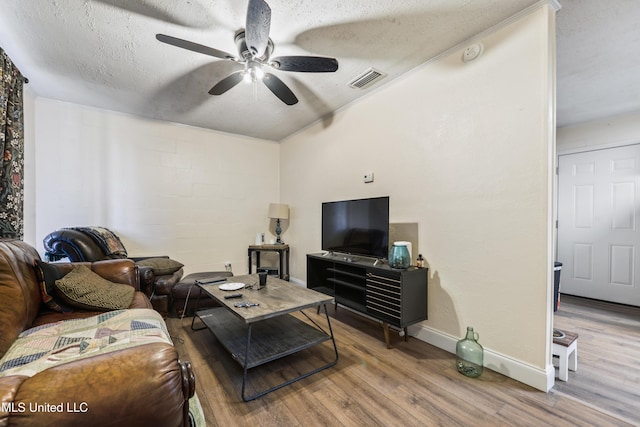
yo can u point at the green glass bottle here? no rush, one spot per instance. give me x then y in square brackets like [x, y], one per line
[470, 354]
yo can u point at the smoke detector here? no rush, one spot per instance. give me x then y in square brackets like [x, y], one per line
[472, 52]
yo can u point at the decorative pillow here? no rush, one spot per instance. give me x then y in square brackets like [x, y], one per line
[161, 266]
[47, 275]
[85, 289]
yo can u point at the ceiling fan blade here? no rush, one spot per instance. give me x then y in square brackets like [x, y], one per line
[195, 47]
[227, 83]
[279, 89]
[305, 64]
[258, 26]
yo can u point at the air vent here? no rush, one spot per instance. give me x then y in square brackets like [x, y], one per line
[367, 78]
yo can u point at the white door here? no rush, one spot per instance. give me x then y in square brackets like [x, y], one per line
[598, 236]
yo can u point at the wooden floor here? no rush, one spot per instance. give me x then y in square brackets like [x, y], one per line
[608, 375]
[416, 384]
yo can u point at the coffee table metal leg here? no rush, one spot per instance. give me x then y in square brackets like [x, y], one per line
[293, 380]
[246, 369]
[333, 340]
[195, 312]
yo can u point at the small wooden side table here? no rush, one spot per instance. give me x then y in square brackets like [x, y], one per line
[283, 252]
[566, 348]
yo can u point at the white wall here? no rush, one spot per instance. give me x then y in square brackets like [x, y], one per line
[196, 195]
[612, 131]
[465, 150]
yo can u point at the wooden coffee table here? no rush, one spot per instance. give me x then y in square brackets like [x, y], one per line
[263, 333]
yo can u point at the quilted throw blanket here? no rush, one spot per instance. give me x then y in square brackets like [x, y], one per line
[106, 239]
[45, 346]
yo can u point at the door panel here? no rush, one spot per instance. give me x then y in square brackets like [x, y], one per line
[598, 237]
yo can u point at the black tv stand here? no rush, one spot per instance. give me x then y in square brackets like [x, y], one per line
[346, 257]
[394, 297]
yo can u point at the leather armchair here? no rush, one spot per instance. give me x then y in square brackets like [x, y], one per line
[80, 246]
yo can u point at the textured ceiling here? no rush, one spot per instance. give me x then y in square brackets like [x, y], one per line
[103, 53]
[598, 59]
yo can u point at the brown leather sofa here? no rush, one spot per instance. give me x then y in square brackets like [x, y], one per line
[79, 246]
[146, 385]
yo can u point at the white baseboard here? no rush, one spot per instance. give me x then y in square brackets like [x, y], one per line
[298, 282]
[540, 379]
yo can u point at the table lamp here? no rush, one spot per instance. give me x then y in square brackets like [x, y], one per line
[278, 211]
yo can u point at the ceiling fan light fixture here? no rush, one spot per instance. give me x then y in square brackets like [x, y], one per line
[252, 72]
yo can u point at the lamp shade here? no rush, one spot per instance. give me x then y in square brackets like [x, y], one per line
[278, 210]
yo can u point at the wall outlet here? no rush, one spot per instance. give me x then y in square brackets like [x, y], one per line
[368, 177]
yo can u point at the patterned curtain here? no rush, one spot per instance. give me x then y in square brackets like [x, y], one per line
[12, 146]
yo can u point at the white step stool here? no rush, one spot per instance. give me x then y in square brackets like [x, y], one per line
[566, 348]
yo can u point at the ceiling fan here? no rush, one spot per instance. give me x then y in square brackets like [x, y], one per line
[255, 48]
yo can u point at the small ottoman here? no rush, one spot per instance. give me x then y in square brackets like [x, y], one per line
[181, 290]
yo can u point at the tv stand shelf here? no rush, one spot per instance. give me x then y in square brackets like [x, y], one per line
[346, 273]
[325, 290]
[337, 282]
[394, 297]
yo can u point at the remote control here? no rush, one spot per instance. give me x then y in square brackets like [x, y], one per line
[232, 296]
[214, 280]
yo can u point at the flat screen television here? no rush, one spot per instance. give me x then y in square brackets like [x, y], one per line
[358, 227]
